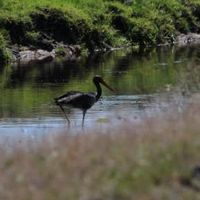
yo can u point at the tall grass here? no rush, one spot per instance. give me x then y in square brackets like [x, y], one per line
[143, 161]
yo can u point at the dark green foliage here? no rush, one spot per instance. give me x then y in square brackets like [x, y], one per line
[4, 54]
[58, 25]
[16, 28]
[94, 38]
[194, 16]
[39, 40]
[196, 11]
[1, 3]
[144, 34]
[121, 23]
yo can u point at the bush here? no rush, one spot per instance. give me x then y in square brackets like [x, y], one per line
[16, 28]
[97, 24]
[59, 25]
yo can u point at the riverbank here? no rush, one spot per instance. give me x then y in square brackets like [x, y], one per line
[93, 25]
[157, 159]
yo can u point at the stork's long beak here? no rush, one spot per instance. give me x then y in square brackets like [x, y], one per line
[106, 85]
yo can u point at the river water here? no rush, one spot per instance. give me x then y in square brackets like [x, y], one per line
[147, 84]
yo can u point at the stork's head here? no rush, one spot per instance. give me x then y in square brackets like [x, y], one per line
[98, 79]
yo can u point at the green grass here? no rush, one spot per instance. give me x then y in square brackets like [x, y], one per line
[96, 23]
[131, 161]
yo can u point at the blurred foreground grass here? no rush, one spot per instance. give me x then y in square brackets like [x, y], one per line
[151, 160]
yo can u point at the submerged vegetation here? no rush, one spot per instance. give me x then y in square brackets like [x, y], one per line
[158, 159]
[96, 24]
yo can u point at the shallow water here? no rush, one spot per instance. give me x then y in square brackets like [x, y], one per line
[147, 84]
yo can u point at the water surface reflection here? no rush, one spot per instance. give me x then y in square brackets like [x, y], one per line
[148, 84]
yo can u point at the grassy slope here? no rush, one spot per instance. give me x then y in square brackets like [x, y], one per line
[152, 161]
[96, 23]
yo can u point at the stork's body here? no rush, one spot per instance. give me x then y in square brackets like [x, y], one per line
[81, 100]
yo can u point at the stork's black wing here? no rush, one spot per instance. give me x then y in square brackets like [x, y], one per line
[77, 99]
[67, 97]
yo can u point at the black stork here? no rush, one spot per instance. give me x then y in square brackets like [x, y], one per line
[82, 100]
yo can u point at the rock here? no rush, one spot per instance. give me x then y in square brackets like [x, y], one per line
[76, 49]
[68, 51]
[191, 38]
[26, 56]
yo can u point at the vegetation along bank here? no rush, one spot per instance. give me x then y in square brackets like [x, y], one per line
[55, 26]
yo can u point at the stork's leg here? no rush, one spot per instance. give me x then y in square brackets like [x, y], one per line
[84, 112]
[65, 114]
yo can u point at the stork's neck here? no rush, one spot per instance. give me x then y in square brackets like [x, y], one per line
[99, 90]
